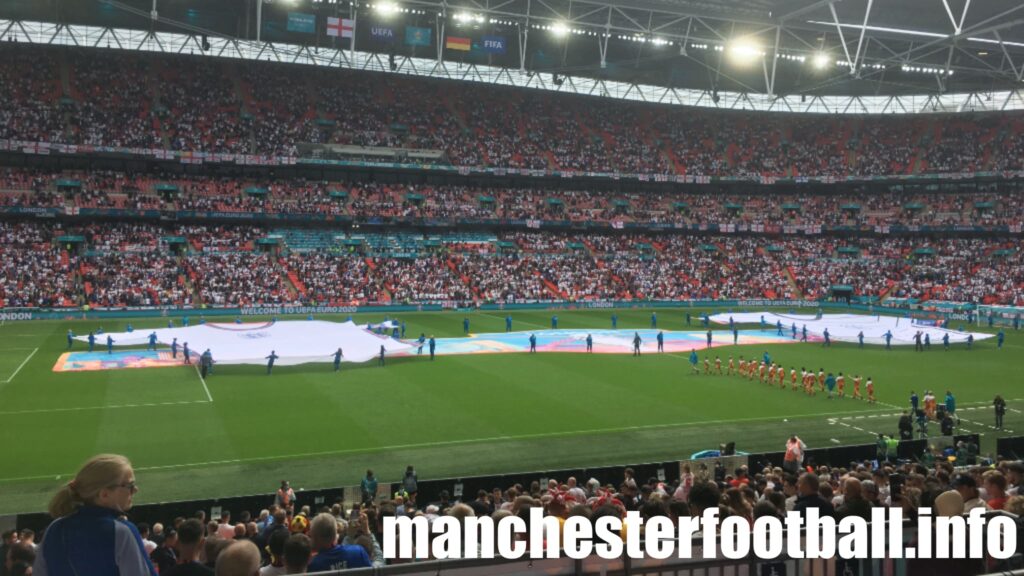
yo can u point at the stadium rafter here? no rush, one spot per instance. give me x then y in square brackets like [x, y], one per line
[852, 44]
[861, 37]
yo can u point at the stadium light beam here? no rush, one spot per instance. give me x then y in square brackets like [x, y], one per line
[386, 8]
[559, 29]
[468, 17]
[744, 52]
[821, 60]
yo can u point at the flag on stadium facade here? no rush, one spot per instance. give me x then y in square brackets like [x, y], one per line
[416, 36]
[340, 27]
[493, 44]
[382, 34]
[301, 22]
[456, 43]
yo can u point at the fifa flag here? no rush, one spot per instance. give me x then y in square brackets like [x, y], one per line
[493, 44]
[340, 27]
[416, 36]
[456, 43]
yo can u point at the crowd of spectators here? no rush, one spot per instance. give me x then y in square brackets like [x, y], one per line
[382, 202]
[288, 538]
[330, 279]
[238, 279]
[35, 273]
[195, 103]
[133, 264]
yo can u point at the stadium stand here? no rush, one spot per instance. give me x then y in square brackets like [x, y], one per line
[115, 235]
[129, 264]
[198, 104]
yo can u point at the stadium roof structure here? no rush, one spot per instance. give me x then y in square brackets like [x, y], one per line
[832, 56]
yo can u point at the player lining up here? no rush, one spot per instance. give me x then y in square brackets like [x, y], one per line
[773, 374]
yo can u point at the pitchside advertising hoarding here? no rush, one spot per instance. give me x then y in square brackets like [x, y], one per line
[288, 310]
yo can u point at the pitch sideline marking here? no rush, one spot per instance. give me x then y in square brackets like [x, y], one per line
[22, 365]
[442, 443]
[86, 408]
[203, 380]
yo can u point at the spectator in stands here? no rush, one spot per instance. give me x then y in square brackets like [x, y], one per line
[329, 554]
[276, 548]
[148, 544]
[190, 546]
[87, 510]
[995, 488]
[225, 529]
[10, 538]
[297, 552]
[19, 553]
[166, 554]
[212, 550]
[240, 558]
[810, 497]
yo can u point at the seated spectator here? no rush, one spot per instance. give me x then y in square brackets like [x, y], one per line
[87, 510]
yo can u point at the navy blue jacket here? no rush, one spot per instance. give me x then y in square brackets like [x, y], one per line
[92, 542]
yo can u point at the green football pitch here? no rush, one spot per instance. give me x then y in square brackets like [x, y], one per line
[458, 416]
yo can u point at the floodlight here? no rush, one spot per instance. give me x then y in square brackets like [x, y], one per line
[386, 8]
[744, 52]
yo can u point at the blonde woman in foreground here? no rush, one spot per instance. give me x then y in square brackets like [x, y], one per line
[86, 537]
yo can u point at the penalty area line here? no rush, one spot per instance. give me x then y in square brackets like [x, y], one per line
[86, 408]
[22, 365]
